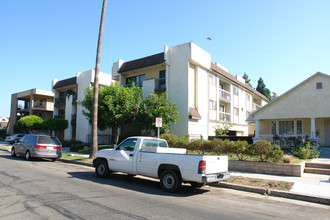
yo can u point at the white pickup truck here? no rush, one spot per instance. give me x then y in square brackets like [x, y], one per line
[152, 157]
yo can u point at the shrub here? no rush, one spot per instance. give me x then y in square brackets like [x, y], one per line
[76, 146]
[240, 149]
[200, 146]
[304, 150]
[3, 133]
[266, 152]
[171, 139]
[29, 123]
[218, 146]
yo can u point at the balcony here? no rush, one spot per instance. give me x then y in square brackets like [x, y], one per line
[224, 96]
[59, 102]
[39, 105]
[224, 117]
[255, 106]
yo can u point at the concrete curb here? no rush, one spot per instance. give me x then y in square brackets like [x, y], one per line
[76, 162]
[299, 196]
[277, 193]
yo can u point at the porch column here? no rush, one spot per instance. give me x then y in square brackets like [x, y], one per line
[312, 128]
[256, 134]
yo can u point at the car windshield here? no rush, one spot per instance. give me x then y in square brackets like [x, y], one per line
[48, 140]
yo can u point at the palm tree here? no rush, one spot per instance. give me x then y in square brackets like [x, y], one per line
[96, 85]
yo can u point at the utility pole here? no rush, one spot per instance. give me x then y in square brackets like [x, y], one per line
[94, 147]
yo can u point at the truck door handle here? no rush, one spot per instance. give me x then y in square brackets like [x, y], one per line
[131, 155]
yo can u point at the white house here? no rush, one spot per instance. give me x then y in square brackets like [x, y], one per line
[68, 93]
[206, 93]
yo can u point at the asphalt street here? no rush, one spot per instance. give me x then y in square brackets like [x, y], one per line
[43, 189]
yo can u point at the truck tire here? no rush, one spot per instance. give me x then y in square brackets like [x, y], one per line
[197, 185]
[170, 181]
[102, 169]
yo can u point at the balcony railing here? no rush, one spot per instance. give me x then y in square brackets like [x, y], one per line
[224, 117]
[255, 106]
[160, 85]
[60, 101]
[224, 95]
[39, 105]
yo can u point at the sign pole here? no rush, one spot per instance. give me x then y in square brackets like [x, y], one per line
[159, 124]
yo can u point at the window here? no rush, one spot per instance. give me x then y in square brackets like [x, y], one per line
[127, 145]
[222, 108]
[154, 143]
[212, 105]
[286, 127]
[162, 80]
[319, 85]
[212, 80]
[273, 128]
[299, 127]
[221, 86]
[235, 91]
[236, 111]
[138, 80]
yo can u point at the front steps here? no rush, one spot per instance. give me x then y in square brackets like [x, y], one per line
[317, 168]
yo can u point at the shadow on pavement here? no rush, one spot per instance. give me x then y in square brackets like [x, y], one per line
[137, 184]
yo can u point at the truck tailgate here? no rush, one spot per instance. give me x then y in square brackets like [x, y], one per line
[216, 164]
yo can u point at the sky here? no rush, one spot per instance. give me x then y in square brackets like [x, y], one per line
[282, 41]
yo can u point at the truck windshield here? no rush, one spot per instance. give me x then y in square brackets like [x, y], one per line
[127, 145]
[154, 143]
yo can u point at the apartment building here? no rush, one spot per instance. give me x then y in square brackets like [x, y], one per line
[31, 102]
[68, 93]
[206, 94]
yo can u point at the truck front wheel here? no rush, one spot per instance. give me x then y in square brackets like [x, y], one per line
[170, 181]
[102, 169]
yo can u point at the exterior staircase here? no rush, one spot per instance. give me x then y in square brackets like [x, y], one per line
[317, 168]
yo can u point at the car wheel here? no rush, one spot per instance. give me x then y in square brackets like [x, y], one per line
[12, 152]
[27, 155]
[170, 181]
[102, 169]
[197, 185]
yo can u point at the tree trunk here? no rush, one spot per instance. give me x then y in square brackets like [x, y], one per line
[96, 85]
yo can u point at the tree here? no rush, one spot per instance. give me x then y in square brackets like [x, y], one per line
[156, 106]
[246, 78]
[261, 87]
[56, 124]
[30, 123]
[96, 84]
[117, 105]
[222, 130]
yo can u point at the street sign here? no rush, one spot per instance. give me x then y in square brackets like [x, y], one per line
[159, 122]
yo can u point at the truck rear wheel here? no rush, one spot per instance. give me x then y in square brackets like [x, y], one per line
[102, 169]
[170, 181]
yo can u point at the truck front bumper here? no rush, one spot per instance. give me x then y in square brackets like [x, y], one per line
[211, 178]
